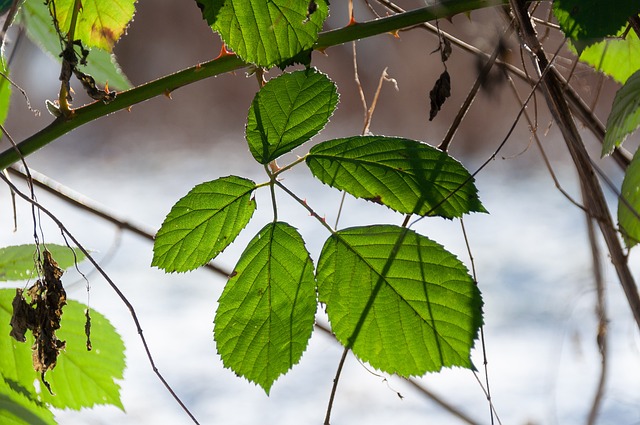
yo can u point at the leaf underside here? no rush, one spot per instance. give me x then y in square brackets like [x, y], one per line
[288, 111]
[589, 21]
[624, 118]
[629, 204]
[399, 300]
[17, 262]
[406, 175]
[617, 57]
[203, 223]
[266, 312]
[265, 33]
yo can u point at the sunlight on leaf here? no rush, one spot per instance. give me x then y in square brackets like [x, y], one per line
[203, 223]
[629, 206]
[288, 111]
[5, 92]
[624, 118]
[100, 23]
[17, 262]
[101, 65]
[399, 300]
[408, 176]
[266, 312]
[81, 378]
[588, 21]
[265, 33]
[18, 409]
[619, 58]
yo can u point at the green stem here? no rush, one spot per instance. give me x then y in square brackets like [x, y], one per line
[224, 64]
[393, 23]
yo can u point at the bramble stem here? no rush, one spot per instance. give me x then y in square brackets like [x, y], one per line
[228, 63]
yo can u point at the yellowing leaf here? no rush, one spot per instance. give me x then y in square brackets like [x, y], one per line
[100, 23]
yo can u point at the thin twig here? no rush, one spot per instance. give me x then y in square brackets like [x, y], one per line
[334, 388]
[547, 163]
[84, 203]
[442, 403]
[482, 77]
[576, 103]
[595, 201]
[369, 115]
[421, 389]
[485, 361]
[115, 288]
[601, 316]
[491, 157]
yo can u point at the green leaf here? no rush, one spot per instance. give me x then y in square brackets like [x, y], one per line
[399, 300]
[288, 111]
[617, 57]
[18, 409]
[18, 262]
[101, 65]
[408, 176]
[588, 21]
[100, 23]
[81, 378]
[624, 118]
[629, 205]
[5, 92]
[262, 32]
[266, 312]
[5, 5]
[203, 223]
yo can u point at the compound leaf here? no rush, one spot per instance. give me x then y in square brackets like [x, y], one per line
[266, 312]
[288, 111]
[408, 176]
[203, 223]
[624, 118]
[101, 65]
[17, 262]
[588, 21]
[80, 378]
[266, 33]
[629, 204]
[399, 300]
[100, 23]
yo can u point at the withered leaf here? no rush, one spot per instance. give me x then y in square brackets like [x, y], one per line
[22, 317]
[87, 328]
[50, 298]
[42, 316]
[445, 49]
[439, 93]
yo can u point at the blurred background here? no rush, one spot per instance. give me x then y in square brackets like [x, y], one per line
[531, 251]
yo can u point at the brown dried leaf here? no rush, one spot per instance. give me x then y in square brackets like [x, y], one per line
[439, 93]
[445, 49]
[22, 317]
[42, 316]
